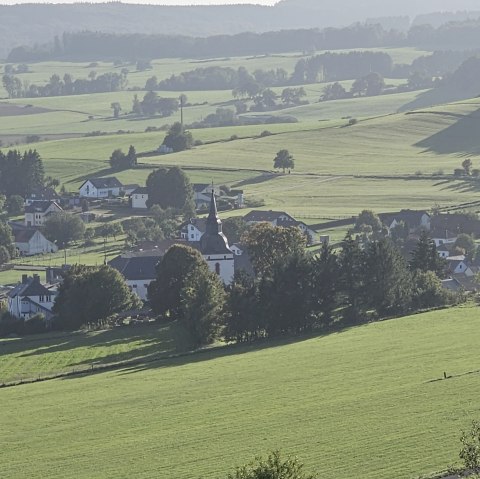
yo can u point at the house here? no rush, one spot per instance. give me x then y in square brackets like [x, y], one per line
[37, 213]
[444, 251]
[138, 269]
[272, 217]
[30, 297]
[100, 188]
[30, 241]
[42, 194]
[459, 265]
[459, 283]
[201, 194]
[214, 246]
[194, 229]
[443, 237]
[139, 197]
[414, 219]
[129, 189]
[457, 223]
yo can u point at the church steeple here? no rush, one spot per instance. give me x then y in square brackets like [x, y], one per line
[214, 223]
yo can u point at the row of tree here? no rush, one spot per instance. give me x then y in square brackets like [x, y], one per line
[295, 292]
[372, 84]
[57, 86]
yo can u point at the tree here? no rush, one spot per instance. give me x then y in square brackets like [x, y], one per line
[284, 160]
[368, 218]
[116, 107]
[136, 106]
[470, 451]
[293, 96]
[425, 257]
[428, 291]
[375, 84]
[266, 244]
[131, 157]
[178, 139]
[234, 228]
[165, 292]
[4, 255]
[334, 91]
[15, 205]
[63, 228]
[467, 166]
[105, 288]
[117, 160]
[202, 301]
[274, 467]
[466, 243]
[388, 281]
[171, 189]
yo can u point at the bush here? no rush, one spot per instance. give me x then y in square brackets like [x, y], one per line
[265, 133]
[352, 121]
[35, 325]
[458, 172]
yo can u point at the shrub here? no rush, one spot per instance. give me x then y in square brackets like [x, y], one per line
[265, 133]
[35, 325]
[352, 121]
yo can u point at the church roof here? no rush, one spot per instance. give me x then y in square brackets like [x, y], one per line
[213, 241]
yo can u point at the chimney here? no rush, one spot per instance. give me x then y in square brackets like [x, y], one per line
[36, 278]
[24, 279]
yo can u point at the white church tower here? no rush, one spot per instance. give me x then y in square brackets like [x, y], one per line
[214, 246]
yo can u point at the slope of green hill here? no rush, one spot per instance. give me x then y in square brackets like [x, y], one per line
[367, 402]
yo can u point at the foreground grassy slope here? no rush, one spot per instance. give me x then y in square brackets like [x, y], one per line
[362, 403]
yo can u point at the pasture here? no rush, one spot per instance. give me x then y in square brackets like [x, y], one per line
[366, 402]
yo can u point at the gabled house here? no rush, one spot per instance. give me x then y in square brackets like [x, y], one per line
[194, 229]
[100, 188]
[414, 219]
[31, 241]
[457, 223]
[30, 297]
[459, 265]
[443, 237]
[139, 197]
[202, 193]
[37, 213]
[138, 269]
[129, 189]
[42, 194]
[272, 217]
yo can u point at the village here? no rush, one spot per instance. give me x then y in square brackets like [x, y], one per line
[137, 264]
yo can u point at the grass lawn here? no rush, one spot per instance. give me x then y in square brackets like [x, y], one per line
[367, 403]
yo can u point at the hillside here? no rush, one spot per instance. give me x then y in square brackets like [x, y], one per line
[375, 390]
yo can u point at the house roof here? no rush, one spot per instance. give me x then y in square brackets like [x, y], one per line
[109, 182]
[46, 194]
[29, 287]
[137, 266]
[410, 217]
[456, 222]
[260, 215]
[443, 234]
[23, 235]
[199, 223]
[199, 187]
[141, 190]
[41, 207]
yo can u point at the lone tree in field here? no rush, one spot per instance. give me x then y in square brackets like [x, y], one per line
[467, 166]
[284, 160]
[470, 451]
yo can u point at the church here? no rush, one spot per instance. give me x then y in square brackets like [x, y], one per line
[214, 246]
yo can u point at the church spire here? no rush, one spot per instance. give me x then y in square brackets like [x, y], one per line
[214, 224]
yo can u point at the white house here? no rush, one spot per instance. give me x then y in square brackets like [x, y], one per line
[30, 297]
[272, 217]
[443, 237]
[414, 219]
[100, 188]
[138, 269]
[459, 265]
[214, 246]
[29, 242]
[37, 213]
[202, 193]
[194, 230]
[139, 198]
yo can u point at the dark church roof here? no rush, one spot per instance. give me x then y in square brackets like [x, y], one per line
[213, 241]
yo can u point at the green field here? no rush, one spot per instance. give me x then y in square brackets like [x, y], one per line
[367, 402]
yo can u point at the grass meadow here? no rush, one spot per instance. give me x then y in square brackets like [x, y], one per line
[367, 402]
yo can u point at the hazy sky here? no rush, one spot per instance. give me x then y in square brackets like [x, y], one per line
[156, 2]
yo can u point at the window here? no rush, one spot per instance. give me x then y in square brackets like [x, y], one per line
[217, 268]
[42, 298]
[49, 299]
[134, 286]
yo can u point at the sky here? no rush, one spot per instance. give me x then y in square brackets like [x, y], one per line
[155, 2]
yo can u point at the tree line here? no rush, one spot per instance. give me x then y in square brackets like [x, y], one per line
[56, 86]
[295, 292]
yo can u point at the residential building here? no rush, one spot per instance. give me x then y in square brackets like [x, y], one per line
[37, 213]
[31, 241]
[42, 194]
[139, 198]
[100, 188]
[201, 194]
[272, 217]
[415, 220]
[194, 229]
[138, 269]
[30, 297]
[443, 237]
[129, 189]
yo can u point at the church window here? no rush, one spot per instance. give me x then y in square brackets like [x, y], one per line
[217, 268]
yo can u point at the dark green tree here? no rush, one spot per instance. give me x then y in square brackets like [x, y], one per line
[105, 288]
[15, 205]
[266, 244]
[466, 243]
[425, 257]
[178, 139]
[234, 228]
[388, 281]
[7, 239]
[283, 160]
[63, 228]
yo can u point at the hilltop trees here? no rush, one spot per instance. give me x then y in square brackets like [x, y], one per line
[121, 161]
[177, 138]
